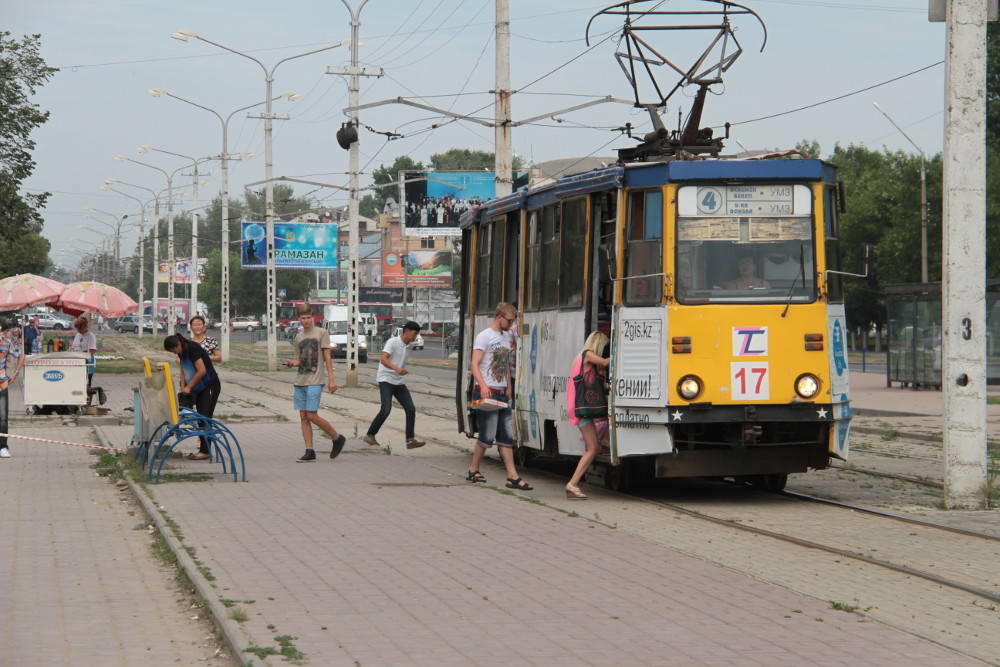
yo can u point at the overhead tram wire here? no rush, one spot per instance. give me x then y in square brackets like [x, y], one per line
[402, 23]
[136, 61]
[386, 58]
[835, 99]
[444, 42]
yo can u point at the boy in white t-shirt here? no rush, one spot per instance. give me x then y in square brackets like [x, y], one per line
[389, 376]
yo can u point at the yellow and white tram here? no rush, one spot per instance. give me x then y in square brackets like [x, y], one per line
[719, 284]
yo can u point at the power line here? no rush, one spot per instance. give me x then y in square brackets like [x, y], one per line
[838, 97]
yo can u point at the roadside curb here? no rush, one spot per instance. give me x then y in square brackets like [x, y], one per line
[234, 636]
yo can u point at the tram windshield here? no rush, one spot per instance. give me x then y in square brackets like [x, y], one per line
[745, 244]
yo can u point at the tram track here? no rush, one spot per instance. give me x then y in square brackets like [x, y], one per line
[897, 552]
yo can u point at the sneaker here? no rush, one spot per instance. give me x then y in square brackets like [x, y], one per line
[338, 445]
[4, 453]
[308, 457]
[413, 443]
[102, 398]
[370, 440]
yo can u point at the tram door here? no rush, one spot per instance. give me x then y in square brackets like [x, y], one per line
[638, 396]
[603, 214]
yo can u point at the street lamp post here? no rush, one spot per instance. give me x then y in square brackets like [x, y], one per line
[117, 226]
[224, 156]
[923, 195]
[154, 301]
[272, 341]
[193, 286]
[142, 246]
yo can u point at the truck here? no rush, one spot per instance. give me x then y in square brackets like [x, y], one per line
[335, 317]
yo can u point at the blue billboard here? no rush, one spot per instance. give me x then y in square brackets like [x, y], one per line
[433, 201]
[297, 245]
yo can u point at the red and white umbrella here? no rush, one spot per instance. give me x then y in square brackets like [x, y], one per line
[92, 297]
[27, 289]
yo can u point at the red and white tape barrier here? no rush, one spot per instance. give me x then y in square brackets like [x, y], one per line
[60, 442]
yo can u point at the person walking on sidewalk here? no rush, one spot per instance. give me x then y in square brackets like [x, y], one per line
[10, 359]
[491, 364]
[312, 347]
[200, 385]
[389, 376]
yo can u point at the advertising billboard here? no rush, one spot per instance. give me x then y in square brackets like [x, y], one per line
[416, 268]
[433, 201]
[182, 271]
[297, 245]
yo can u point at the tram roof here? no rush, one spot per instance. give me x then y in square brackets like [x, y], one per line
[646, 174]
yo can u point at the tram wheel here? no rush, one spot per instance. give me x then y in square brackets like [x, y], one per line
[774, 482]
[617, 477]
[524, 456]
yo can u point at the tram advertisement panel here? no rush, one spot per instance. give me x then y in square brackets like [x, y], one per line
[839, 380]
[638, 382]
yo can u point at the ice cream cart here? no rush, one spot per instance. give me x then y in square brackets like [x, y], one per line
[55, 382]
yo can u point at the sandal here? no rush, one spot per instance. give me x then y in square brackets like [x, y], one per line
[199, 456]
[476, 476]
[518, 484]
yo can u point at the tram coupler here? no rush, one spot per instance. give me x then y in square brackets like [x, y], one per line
[751, 434]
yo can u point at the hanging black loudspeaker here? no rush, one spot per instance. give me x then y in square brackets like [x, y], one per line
[346, 135]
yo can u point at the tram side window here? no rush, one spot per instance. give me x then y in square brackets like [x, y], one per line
[512, 257]
[533, 273]
[550, 257]
[483, 270]
[574, 234]
[645, 248]
[834, 282]
[496, 276]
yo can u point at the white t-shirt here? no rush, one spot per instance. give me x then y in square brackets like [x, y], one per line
[397, 357]
[84, 342]
[497, 357]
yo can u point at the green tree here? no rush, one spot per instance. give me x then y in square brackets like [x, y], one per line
[22, 72]
[372, 204]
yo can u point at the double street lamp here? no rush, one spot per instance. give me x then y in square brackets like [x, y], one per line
[224, 156]
[268, 116]
[116, 227]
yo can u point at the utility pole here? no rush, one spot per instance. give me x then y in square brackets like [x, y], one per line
[354, 74]
[502, 152]
[193, 308]
[964, 263]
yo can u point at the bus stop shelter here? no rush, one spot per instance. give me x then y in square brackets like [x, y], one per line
[915, 333]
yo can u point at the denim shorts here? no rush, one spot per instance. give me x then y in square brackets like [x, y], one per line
[495, 428]
[307, 397]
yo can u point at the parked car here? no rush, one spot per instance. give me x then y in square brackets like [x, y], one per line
[245, 323]
[51, 321]
[131, 323]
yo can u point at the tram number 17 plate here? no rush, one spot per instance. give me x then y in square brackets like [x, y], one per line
[750, 381]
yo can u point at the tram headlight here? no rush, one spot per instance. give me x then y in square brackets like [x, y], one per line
[689, 387]
[807, 385]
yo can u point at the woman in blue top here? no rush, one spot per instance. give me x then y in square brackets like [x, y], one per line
[200, 386]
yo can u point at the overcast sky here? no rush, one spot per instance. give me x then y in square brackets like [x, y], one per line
[110, 52]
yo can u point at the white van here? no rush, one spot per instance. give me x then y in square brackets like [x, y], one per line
[338, 341]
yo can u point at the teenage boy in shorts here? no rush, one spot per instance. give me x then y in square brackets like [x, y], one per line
[312, 347]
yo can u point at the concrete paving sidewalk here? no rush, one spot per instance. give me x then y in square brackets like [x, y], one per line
[373, 559]
[80, 583]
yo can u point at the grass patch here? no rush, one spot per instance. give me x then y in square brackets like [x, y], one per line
[993, 400]
[843, 606]
[238, 615]
[286, 649]
[891, 434]
[186, 477]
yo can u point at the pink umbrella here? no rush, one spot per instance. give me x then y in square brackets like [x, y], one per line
[27, 289]
[91, 297]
